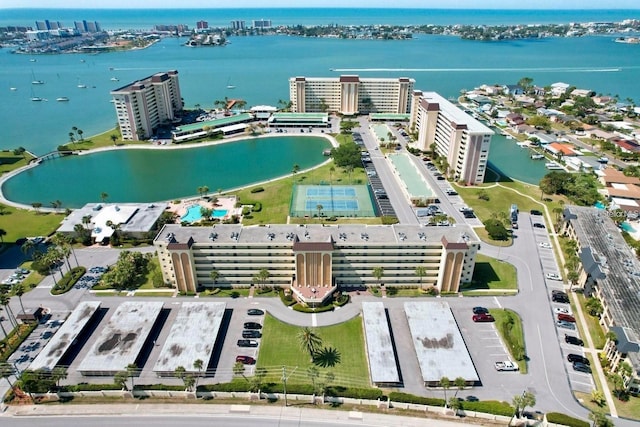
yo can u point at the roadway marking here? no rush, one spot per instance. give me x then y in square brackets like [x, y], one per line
[314, 320]
[497, 302]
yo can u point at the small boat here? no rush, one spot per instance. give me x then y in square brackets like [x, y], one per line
[62, 99]
[82, 60]
[553, 166]
[35, 81]
[37, 99]
[229, 85]
[115, 79]
[537, 156]
[13, 88]
[32, 60]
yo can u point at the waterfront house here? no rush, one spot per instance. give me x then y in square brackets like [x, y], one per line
[559, 88]
[513, 90]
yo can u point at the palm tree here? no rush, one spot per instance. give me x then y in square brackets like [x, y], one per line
[104, 196]
[296, 169]
[445, 383]
[18, 290]
[319, 207]
[421, 271]
[460, 383]
[86, 220]
[72, 138]
[332, 169]
[3, 233]
[309, 341]
[5, 300]
[28, 246]
[113, 137]
[262, 277]
[600, 419]
[180, 372]
[59, 373]
[120, 379]
[4, 331]
[36, 206]
[213, 275]
[80, 132]
[238, 369]
[378, 272]
[203, 190]
[132, 370]
[199, 365]
[6, 371]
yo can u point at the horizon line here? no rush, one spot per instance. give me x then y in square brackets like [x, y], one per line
[322, 7]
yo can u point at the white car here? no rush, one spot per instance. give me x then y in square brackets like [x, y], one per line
[506, 365]
[553, 276]
[561, 310]
[545, 245]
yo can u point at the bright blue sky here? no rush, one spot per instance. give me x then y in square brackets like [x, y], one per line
[444, 4]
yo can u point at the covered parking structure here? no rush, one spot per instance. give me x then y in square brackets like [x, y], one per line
[383, 365]
[439, 345]
[192, 337]
[67, 334]
[122, 339]
[299, 120]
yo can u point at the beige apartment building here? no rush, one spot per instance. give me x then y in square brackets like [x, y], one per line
[315, 260]
[461, 139]
[350, 95]
[145, 104]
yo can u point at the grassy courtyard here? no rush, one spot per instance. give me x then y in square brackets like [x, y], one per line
[492, 274]
[280, 347]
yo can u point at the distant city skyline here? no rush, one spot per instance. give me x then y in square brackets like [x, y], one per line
[418, 4]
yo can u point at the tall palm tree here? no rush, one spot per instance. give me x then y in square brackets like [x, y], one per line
[3, 233]
[18, 290]
[59, 373]
[378, 272]
[86, 220]
[421, 271]
[132, 370]
[5, 300]
[80, 132]
[199, 365]
[309, 341]
[113, 138]
[104, 196]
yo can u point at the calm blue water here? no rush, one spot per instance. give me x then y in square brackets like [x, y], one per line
[193, 214]
[627, 227]
[256, 65]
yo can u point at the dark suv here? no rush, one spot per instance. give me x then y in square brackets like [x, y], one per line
[252, 325]
[573, 340]
[250, 333]
[480, 310]
[581, 367]
[247, 343]
[577, 358]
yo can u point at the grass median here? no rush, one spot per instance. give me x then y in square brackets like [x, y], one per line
[492, 274]
[280, 348]
[509, 326]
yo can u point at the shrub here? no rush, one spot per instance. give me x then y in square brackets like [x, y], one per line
[389, 220]
[246, 211]
[354, 392]
[287, 299]
[248, 216]
[257, 190]
[341, 300]
[68, 280]
[160, 387]
[291, 388]
[241, 386]
[558, 418]
[90, 387]
[396, 396]
[304, 309]
[490, 407]
[257, 207]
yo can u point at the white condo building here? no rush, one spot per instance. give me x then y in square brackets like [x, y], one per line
[145, 104]
[463, 140]
[350, 95]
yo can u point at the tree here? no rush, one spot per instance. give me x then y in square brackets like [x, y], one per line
[4, 301]
[598, 398]
[36, 206]
[180, 372]
[309, 341]
[332, 169]
[189, 381]
[455, 404]
[319, 207]
[113, 138]
[526, 83]
[347, 154]
[421, 271]
[198, 364]
[3, 233]
[132, 371]
[445, 383]
[460, 384]
[80, 132]
[262, 277]
[59, 373]
[496, 229]
[120, 379]
[378, 272]
[203, 190]
[295, 169]
[600, 419]
[522, 401]
[238, 369]
[313, 373]
[213, 275]
[104, 196]
[594, 306]
[18, 290]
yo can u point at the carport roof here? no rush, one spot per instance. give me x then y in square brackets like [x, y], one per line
[192, 336]
[382, 359]
[439, 345]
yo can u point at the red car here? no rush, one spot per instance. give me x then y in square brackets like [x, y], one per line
[566, 318]
[484, 317]
[246, 360]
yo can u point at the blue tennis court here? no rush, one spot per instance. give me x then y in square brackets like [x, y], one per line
[331, 192]
[332, 205]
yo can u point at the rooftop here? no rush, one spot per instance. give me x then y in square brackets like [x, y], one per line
[214, 124]
[51, 354]
[456, 114]
[122, 338]
[192, 336]
[132, 217]
[382, 359]
[438, 342]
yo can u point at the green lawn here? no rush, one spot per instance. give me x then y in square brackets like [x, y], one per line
[10, 161]
[167, 293]
[490, 273]
[406, 292]
[24, 223]
[500, 200]
[280, 347]
[484, 236]
[512, 337]
[227, 293]
[595, 330]
[99, 141]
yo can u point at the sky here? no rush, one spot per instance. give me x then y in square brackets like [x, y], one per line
[423, 4]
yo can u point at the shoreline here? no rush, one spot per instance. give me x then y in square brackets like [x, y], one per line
[4, 178]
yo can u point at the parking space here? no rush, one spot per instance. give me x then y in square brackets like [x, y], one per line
[35, 342]
[382, 202]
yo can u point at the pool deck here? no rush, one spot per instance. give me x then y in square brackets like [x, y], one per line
[227, 203]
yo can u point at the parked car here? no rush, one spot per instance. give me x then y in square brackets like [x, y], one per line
[578, 358]
[480, 310]
[246, 360]
[506, 365]
[553, 276]
[255, 312]
[247, 343]
[484, 317]
[538, 225]
[566, 325]
[563, 299]
[567, 318]
[252, 325]
[573, 340]
[440, 178]
[535, 212]
[545, 245]
[581, 367]
[561, 310]
[251, 333]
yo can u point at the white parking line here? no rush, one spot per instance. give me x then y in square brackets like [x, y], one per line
[497, 302]
[314, 320]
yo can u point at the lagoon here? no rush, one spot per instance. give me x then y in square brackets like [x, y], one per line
[148, 175]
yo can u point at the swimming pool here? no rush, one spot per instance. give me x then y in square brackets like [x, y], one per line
[627, 227]
[193, 214]
[600, 205]
[219, 213]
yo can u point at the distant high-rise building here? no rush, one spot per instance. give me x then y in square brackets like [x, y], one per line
[79, 25]
[41, 25]
[262, 23]
[238, 25]
[144, 105]
[202, 25]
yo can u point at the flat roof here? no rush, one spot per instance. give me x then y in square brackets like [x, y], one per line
[414, 182]
[122, 338]
[382, 360]
[192, 336]
[51, 354]
[456, 114]
[141, 218]
[438, 342]
[215, 123]
[299, 117]
[342, 235]
[390, 116]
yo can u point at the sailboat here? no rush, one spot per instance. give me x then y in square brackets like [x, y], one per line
[35, 98]
[35, 81]
[62, 99]
[81, 85]
[229, 85]
[115, 79]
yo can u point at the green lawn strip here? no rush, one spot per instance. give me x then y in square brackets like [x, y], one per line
[484, 236]
[10, 161]
[629, 409]
[595, 330]
[99, 141]
[227, 293]
[108, 293]
[406, 292]
[585, 398]
[20, 223]
[513, 337]
[276, 196]
[280, 347]
[500, 200]
[490, 273]
[151, 267]
[154, 294]
[266, 293]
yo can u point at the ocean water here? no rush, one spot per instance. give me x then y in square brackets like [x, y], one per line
[259, 67]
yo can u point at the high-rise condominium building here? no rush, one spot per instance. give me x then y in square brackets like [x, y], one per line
[350, 95]
[455, 135]
[145, 104]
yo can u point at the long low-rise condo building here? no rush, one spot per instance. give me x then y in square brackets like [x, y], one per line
[144, 105]
[350, 94]
[461, 139]
[314, 260]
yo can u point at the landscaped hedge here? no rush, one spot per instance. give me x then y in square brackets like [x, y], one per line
[396, 396]
[342, 300]
[489, 407]
[354, 392]
[14, 339]
[291, 388]
[257, 207]
[68, 280]
[160, 387]
[287, 300]
[304, 309]
[90, 387]
[226, 387]
[257, 190]
[558, 418]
